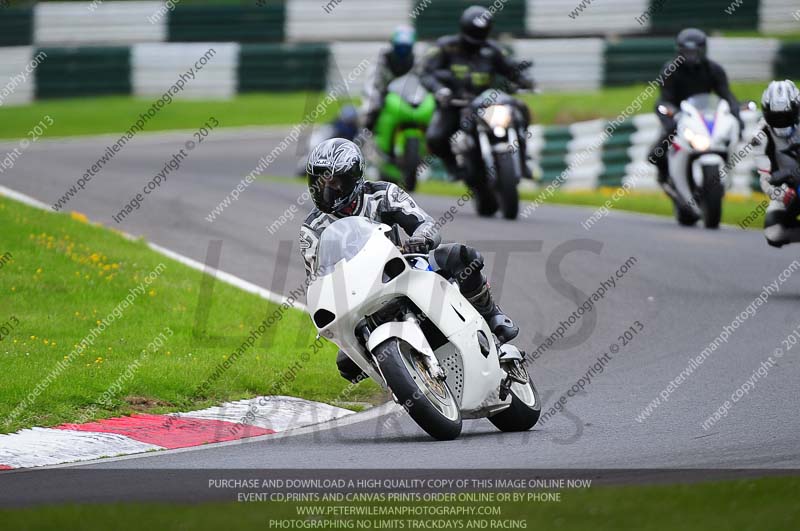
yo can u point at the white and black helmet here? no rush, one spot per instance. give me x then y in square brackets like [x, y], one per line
[335, 171]
[781, 106]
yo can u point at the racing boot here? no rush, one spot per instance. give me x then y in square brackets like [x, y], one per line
[502, 326]
[348, 369]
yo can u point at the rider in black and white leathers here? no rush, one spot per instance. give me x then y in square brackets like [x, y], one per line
[379, 201]
[335, 171]
[779, 179]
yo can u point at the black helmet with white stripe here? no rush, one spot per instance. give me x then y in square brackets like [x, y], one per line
[335, 170]
[781, 106]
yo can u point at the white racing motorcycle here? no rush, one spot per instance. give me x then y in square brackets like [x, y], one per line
[706, 137]
[412, 331]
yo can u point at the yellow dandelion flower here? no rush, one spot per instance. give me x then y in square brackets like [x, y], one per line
[152, 293]
[77, 216]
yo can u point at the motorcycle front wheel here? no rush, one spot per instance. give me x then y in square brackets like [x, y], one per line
[713, 191]
[430, 402]
[411, 162]
[507, 180]
[524, 411]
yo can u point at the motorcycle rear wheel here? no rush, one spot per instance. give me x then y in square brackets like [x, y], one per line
[429, 402]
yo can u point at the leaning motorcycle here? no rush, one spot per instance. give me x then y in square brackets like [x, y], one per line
[788, 181]
[488, 151]
[410, 329]
[400, 130]
[707, 133]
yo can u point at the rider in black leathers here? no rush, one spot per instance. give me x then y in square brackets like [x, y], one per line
[462, 67]
[335, 171]
[695, 74]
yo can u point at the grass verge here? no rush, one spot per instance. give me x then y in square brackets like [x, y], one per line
[60, 276]
[745, 505]
[115, 114]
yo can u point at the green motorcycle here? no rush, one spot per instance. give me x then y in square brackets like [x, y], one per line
[400, 130]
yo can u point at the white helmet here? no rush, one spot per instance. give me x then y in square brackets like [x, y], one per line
[781, 106]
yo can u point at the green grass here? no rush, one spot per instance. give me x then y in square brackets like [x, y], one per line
[65, 274]
[569, 107]
[734, 211]
[744, 505]
[115, 114]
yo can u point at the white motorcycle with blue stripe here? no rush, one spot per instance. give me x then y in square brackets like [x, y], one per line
[707, 134]
[412, 331]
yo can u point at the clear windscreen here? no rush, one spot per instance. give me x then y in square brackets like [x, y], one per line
[705, 103]
[342, 240]
[409, 88]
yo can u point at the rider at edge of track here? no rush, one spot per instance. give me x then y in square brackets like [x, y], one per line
[462, 67]
[335, 170]
[695, 74]
[779, 180]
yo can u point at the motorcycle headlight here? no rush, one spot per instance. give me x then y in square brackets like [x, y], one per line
[699, 141]
[498, 116]
[499, 132]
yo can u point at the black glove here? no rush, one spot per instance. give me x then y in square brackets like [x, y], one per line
[417, 245]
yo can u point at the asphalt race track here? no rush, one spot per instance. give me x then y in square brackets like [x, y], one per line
[685, 285]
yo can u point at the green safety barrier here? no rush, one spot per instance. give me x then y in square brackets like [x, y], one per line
[671, 16]
[16, 26]
[616, 155]
[631, 61]
[553, 158]
[436, 18]
[787, 63]
[190, 23]
[282, 67]
[84, 71]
